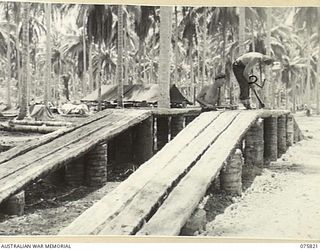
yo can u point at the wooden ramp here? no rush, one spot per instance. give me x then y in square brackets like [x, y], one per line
[21, 165]
[161, 195]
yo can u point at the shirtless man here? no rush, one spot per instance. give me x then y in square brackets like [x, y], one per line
[242, 68]
[209, 94]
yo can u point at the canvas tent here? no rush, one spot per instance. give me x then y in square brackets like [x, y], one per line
[137, 93]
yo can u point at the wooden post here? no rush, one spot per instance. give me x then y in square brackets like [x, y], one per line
[74, 172]
[270, 139]
[253, 153]
[189, 118]
[96, 166]
[143, 141]
[290, 133]
[254, 145]
[15, 204]
[230, 175]
[56, 177]
[282, 135]
[177, 124]
[297, 132]
[162, 131]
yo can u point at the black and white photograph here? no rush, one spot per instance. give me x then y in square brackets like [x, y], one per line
[200, 122]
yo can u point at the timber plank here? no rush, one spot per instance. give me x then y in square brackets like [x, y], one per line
[52, 147]
[175, 211]
[16, 151]
[92, 220]
[151, 195]
[61, 142]
[18, 179]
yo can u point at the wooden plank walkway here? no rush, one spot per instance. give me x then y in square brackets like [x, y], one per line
[22, 165]
[161, 195]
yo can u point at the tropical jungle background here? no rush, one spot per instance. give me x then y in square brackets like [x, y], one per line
[58, 53]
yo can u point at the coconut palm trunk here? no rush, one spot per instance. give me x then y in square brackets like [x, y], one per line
[204, 48]
[192, 92]
[99, 77]
[91, 78]
[318, 67]
[84, 44]
[47, 86]
[242, 27]
[120, 57]
[126, 57]
[8, 58]
[165, 52]
[25, 54]
[268, 90]
[176, 37]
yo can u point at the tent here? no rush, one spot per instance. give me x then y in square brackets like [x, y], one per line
[137, 93]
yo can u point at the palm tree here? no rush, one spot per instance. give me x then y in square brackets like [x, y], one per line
[25, 60]
[48, 54]
[165, 54]
[242, 29]
[318, 67]
[307, 17]
[99, 27]
[8, 57]
[120, 57]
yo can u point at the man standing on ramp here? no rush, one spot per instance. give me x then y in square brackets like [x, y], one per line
[242, 68]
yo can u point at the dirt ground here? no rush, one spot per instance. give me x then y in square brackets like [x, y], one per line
[50, 208]
[283, 202]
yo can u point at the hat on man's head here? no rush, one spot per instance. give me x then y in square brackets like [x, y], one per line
[267, 59]
[220, 76]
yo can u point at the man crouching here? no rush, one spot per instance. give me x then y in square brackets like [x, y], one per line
[209, 94]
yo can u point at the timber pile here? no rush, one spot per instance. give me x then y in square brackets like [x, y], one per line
[14, 152]
[42, 127]
[49, 154]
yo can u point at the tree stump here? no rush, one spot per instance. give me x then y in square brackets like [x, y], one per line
[253, 152]
[270, 139]
[96, 166]
[15, 204]
[177, 124]
[290, 133]
[189, 118]
[254, 145]
[282, 135]
[143, 141]
[74, 172]
[162, 131]
[123, 147]
[230, 175]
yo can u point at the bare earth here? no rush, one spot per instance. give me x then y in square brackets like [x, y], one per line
[284, 201]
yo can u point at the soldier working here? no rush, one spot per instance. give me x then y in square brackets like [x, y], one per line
[242, 68]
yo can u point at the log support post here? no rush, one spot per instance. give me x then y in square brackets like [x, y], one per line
[15, 204]
[162, 131]
[253, 152]
[230, 175]
[290, 133]
[177, 124]
[142, 141]
[282, 135]
[189, 118]
[57, 177]
[74, 172]
[270, 139]
[297, 132]
[96, 165]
